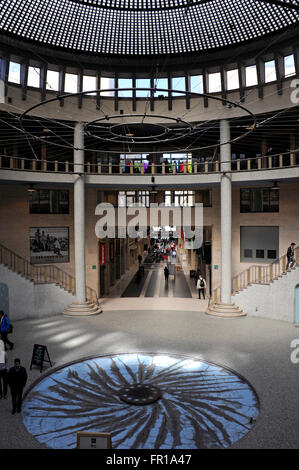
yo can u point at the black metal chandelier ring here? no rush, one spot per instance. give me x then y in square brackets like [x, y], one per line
[126, 132]
[164, 134]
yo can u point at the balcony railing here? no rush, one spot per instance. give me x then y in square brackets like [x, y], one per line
[129, 168]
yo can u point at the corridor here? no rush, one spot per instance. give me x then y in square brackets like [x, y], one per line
[152, 283]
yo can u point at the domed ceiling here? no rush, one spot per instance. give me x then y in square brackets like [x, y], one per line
[144, 27]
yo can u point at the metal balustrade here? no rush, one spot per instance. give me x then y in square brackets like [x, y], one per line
[42, 274]
[285, 160]
[257, 274]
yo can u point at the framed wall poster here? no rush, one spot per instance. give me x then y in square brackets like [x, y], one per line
[93, 440]
[49, 245]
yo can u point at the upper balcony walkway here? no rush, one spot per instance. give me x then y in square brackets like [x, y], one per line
[190, 173]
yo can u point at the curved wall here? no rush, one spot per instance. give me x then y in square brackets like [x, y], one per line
[88, 111]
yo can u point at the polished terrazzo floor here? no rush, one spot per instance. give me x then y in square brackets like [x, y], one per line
[257, 349]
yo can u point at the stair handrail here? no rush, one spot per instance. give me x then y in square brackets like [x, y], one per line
[40, 274]
[257, 274]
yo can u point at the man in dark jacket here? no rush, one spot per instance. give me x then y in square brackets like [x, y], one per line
[291, 256]
[16, 378]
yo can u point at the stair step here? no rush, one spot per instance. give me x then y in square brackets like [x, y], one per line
[33, 269]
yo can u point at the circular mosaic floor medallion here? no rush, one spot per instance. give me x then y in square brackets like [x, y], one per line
[187, 403]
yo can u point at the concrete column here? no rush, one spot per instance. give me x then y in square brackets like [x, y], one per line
[81, 307]
[79, 213]
[226, 213]
[225, 308]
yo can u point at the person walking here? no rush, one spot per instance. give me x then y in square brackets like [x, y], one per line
[16, 378]
[4, 328]
[197, 274]
[291, 256]
[166, 274]
[3, 370]
[201, 286]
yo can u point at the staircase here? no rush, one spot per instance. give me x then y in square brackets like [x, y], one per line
[45, 274]
[257, 274]
[260, 290]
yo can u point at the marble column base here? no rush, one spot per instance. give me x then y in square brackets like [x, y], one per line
[220, 309]
[82, 309]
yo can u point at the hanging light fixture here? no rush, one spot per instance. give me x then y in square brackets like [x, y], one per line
[153, 190]
[275, 185]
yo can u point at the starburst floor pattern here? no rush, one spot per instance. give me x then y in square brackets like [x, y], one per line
[198, 404]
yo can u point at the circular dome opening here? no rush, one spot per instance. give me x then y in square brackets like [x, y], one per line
[138, 130]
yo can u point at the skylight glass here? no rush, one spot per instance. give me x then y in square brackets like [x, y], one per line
[214, 82]
[163, 84]
[289, 65]
[107, 84]
[143, 83]
[14, 73]
[89, 83]
[196, 83]
[52, 80]
[251, 75]
[178, 83]
[125, 83]
[232, 77]
[71, 83]
[33, 77]
[270, 71]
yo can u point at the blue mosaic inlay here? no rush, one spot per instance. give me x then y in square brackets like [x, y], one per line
[202, 405]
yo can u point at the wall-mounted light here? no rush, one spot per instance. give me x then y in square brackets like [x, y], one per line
[153, 190]
[31, 188]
